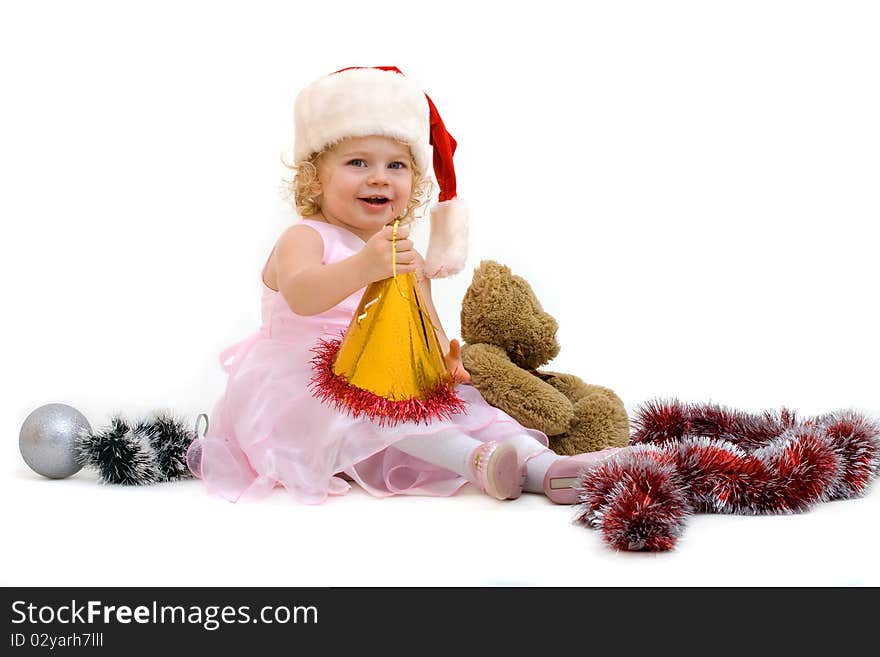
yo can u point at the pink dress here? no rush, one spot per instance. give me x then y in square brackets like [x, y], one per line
[268, 429]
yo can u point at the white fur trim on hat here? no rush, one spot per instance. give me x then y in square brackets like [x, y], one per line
[447, 246]
[358, 103]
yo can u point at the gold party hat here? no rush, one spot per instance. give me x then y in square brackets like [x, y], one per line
[389, 364]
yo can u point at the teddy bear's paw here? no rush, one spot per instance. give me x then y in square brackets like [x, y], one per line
[598, 422]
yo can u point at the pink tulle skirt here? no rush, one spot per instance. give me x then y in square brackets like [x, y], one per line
[268, 430]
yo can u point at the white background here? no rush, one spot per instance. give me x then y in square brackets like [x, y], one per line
[690, 187]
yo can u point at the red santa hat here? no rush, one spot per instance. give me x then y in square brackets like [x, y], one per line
[359, 102]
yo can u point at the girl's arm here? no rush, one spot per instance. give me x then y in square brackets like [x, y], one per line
[425, 289]
[310, 287]
[451, 349]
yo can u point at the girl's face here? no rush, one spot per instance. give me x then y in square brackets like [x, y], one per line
[365, 182]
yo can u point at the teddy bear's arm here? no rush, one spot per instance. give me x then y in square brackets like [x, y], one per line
[574, 387]
[528, 400]
[571, 386]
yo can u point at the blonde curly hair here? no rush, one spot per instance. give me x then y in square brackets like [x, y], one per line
[301, 188]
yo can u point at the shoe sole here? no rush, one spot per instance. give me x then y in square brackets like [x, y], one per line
[503, 473]
[560, 488]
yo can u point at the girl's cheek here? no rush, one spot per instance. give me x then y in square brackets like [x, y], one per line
[354, 177]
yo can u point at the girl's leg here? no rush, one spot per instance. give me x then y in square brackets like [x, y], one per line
[537, 460]
[551, 474]
[449, 449]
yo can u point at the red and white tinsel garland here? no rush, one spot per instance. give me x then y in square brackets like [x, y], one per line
[706, 458]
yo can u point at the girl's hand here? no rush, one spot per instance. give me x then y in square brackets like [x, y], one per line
[454, 364]
[376, 254]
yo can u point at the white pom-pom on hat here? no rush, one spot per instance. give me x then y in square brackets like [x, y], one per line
[448, 244]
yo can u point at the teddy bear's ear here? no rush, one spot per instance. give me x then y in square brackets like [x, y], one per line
[487, 277]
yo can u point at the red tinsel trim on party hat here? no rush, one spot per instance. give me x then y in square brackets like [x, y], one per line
[441, 404]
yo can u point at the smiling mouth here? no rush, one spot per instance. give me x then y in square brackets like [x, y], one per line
[376, 200]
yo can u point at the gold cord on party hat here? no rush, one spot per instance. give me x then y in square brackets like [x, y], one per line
[394, 224]
[394, 256]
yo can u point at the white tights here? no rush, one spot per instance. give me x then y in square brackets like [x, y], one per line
[453, 450]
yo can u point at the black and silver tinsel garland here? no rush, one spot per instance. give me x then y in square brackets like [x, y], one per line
[150, 451]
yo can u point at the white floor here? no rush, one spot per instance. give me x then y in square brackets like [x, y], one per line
[689, 187]
[78, 533]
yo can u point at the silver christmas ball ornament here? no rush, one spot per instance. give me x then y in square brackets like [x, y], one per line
[47, 440]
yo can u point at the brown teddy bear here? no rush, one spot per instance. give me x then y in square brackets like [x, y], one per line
[508, 336]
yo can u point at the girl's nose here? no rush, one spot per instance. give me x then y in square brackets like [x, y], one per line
[377, 177]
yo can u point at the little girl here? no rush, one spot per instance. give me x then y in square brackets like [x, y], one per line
[362, 149]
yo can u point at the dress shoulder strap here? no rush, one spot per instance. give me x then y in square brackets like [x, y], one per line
[325, 230]
[338, 242]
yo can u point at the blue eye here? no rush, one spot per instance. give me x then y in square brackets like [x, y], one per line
[402, 165]
[355, 161]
